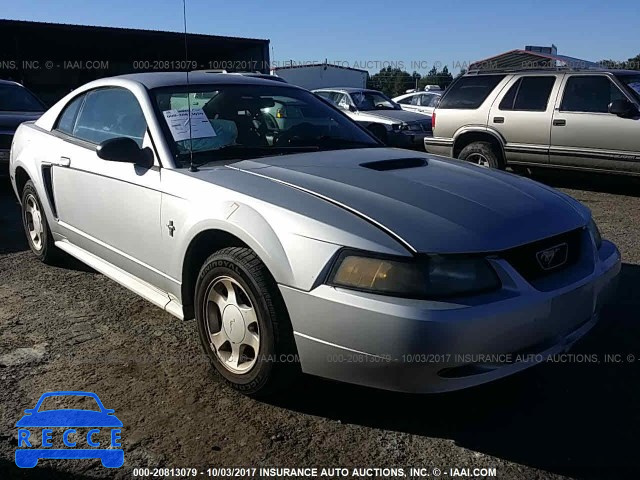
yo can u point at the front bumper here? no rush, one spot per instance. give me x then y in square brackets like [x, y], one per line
[422, 346]
[439, 146]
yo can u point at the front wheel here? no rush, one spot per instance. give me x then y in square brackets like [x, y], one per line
[36, 226]
[243, 323]
[482, 154]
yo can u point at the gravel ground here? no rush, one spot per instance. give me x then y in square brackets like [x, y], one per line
[73, 329]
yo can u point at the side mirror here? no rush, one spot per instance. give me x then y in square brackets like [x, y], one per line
[124, 149]
[30, 411]
[622, 108]
[351, 108]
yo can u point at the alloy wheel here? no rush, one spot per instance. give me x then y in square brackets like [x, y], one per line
[232, 325]
[33, 220]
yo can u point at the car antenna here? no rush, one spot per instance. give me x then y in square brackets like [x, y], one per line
[192, 167]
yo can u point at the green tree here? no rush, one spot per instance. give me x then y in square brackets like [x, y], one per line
[437, 77]
[630, 64]
[392, 81]
[633, 63]
[461, 72]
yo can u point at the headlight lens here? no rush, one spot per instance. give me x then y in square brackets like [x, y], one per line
[595, 233]
[437, 276]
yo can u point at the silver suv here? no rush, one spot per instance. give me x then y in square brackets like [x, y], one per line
[573, 119]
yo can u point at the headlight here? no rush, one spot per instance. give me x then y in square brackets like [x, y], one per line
[433, 277]
[595, 233]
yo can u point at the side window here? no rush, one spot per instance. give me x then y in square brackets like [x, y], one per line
[67, 119]
[435, 100]
[341, 100]
[529, 94]
[325, 95]
[510, 97]
[589, 93]
[425, 99]
[110, 113]
[406, 100]
[470, 92]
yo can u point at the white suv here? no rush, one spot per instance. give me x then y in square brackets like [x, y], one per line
[575, 119]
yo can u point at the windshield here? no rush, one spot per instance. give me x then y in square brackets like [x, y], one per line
[249, 121]
[633, 84]
[373, 101]
[14, 98]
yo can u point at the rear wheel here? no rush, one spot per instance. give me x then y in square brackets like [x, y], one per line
[482, 154]
[243, 324]
[36, 226]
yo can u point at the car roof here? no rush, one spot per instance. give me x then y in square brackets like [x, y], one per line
[543, 71]
[168, 79]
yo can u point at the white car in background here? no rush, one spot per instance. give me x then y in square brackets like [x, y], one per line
[380, 115]
[423, 102]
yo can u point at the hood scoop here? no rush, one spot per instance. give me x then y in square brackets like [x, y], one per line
[395, 164]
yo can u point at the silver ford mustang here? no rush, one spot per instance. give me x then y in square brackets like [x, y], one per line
[299, 243]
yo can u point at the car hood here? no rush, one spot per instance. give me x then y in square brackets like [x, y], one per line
[394, 116]
[444, 206]
[11, 120]
[69, 418]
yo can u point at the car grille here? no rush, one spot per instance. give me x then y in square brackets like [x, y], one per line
[526, 261]
[5, 141]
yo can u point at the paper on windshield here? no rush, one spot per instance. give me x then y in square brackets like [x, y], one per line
[178, 121]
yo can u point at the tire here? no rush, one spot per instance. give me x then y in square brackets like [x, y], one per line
[483, 154]
[254, 372]
[41, 243]
[379, 132]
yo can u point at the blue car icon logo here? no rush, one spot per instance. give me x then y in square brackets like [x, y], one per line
[99, 430]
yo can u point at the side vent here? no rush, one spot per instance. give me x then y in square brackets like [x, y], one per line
[48, 187]
[395, 164]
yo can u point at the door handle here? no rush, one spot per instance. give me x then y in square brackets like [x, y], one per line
[63, 162]
[498, 119]
[559, 122]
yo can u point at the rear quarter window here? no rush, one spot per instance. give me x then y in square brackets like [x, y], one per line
[470, 92]
[67, 120]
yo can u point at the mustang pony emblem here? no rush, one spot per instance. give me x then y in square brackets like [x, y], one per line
[553, 257]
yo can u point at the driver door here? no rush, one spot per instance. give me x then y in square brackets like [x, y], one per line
[109, 209]
[585, 135]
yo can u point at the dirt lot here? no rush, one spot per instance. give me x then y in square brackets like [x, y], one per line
[84, 332]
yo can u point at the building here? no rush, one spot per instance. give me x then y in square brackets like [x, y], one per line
[532, 57]
[51, 59]
[322, 75]
[552, 50]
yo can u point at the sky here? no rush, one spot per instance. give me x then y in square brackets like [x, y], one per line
[373, 33]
